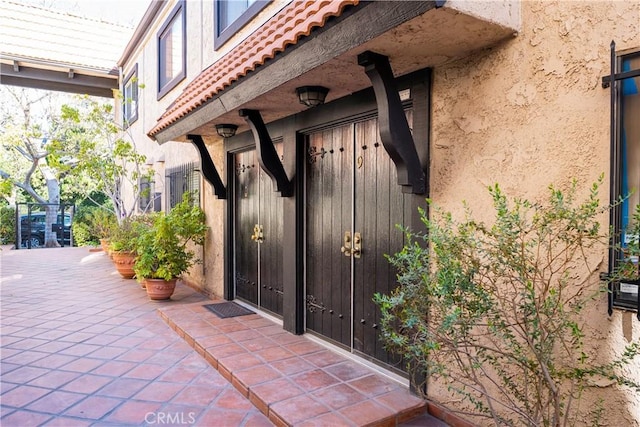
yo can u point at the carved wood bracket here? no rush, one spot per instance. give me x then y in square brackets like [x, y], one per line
[394, 128]
[208, 167]
[267, 154]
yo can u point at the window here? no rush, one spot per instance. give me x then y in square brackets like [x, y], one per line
[130, 98]
[231, 15]
[183, 179]
[149, 200]
[626, 181]
[172, 48]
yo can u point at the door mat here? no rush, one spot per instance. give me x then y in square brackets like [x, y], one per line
[228, 309]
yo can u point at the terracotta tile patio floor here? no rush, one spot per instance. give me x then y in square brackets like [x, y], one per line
[81, 346]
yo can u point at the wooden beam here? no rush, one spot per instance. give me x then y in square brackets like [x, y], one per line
[64, 81]
[267, 154]
[394, 128]
[208, 167]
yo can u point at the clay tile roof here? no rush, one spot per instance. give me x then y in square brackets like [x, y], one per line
[294, 21]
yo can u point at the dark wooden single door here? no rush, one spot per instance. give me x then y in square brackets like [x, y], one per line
[258, 236]
[353, 206]
[329, 204]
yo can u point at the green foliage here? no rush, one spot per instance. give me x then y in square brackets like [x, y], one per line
[496, 311]
[7, 225]
[92, 223]
[124, 237]
[164, 249]
[103, 222]
[103, 153]
[82, 235]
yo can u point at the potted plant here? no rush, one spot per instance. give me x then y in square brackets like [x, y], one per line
[165, 249]
[122, 244]
[103, 223]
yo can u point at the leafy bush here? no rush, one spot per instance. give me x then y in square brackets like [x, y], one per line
[7, 225]
[92, 223]
[163, 249]
[82, 234]
[124, 237]
[496, 311]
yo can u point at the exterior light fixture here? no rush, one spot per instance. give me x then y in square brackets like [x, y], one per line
[226, 130]
[312, 96]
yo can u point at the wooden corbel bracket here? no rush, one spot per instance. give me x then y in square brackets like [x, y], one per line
[208, 167]
[394, 128]
[267, 154]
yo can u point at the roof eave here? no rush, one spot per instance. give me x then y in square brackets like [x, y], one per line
[70, 80]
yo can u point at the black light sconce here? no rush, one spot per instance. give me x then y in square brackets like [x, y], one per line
[226, 130]
[312, 96]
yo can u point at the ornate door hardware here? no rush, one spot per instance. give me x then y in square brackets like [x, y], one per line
[258, 234]
[354, 248]
[346, 246]
[357, 245]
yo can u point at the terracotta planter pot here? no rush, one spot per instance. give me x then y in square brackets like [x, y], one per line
[104, 244]
[159, 289]
[124, 262]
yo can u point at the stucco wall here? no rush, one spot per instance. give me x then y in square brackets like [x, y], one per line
[200, 54]
[213, 266]
[532, 112]
[171, 154]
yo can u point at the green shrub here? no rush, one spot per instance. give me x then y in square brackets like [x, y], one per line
[7, 225]
[124, 237]
[82, 234]
[497, 311]
[163, 249]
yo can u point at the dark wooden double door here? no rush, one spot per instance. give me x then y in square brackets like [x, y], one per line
[352, 207]
[257, 236]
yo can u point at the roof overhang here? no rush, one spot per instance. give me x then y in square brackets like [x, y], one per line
[414, 35]
[50, 76]
[51, 49]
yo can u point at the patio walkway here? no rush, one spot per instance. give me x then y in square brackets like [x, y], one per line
[81, 346]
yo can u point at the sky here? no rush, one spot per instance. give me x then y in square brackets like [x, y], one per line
[124, 12]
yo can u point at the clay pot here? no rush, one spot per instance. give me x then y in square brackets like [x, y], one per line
[124, 262]
[160, 289]
[104, 244]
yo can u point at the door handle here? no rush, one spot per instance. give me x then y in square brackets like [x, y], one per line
[346, 247]
[258, 235]
[357, 245]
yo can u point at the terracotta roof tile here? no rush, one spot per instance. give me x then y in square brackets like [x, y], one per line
[294, 21]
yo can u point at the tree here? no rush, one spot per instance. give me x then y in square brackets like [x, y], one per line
[25, 151]
[105, 153]
[56, 138]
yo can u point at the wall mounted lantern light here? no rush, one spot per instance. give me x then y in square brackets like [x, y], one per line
[312, 96]
[226, 130]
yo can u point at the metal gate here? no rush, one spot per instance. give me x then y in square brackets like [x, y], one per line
[353, 205]
[37, 222]
[257, 235]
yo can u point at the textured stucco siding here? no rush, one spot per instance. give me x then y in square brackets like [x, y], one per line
[163, 157]
[529, 113]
